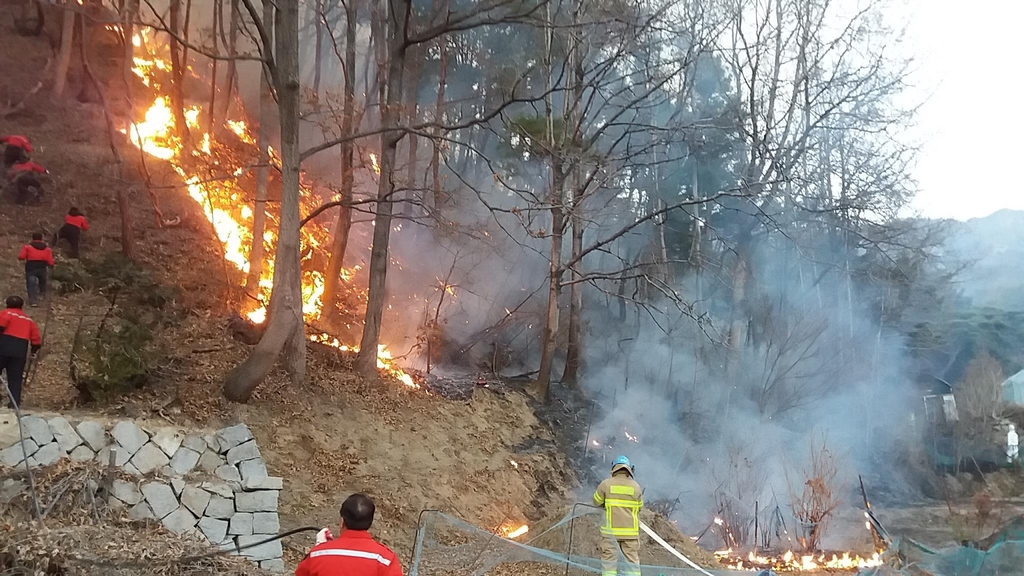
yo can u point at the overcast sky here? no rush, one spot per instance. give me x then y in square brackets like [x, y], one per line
[970, 67]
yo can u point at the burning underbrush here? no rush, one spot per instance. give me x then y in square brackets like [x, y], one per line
[218, 164]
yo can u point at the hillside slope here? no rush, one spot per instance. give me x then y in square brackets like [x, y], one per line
[336, 434]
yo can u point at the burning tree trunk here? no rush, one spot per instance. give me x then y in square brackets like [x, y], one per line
[343, 223]
[259, 220]
[391, 114]
[67, 35]
[285, 328]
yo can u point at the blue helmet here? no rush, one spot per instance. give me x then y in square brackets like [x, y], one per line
[622, 463]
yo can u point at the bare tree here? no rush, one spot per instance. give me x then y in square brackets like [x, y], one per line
[285, 331]
[343, 221]
[397, 21]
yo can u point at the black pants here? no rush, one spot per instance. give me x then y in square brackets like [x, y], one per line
[72, 234]
[14, 369]
[14, 155]
[35, 283]
[28, 189]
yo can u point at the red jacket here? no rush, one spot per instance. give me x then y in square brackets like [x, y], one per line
[29, 166]
[36, 252]
[78, 221]
[352, 553]
[17, 142]
[17, 331]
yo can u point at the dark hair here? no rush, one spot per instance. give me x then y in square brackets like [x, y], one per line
[37, 236]
[15, 302]
[74, 212]
[357, 512]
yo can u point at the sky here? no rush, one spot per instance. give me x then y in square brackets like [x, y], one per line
[969, 71]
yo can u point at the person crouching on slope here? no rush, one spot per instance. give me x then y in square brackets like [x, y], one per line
[17, 149]
[27, 185]
[18, 334]
[354, 552]
[74, 225]
[38, 258]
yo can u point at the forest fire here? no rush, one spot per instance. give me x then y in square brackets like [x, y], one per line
[794, 562]
[211, 171]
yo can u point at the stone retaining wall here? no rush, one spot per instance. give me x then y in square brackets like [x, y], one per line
[213, 485]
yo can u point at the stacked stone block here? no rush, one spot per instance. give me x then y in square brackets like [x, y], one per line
[215, 486]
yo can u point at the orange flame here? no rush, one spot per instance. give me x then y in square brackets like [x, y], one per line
[512, 531]
[792, 562]
[222, 198]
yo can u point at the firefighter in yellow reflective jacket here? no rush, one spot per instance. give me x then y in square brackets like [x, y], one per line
[622, 499]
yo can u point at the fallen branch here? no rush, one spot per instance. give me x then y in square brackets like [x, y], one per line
[12, 110]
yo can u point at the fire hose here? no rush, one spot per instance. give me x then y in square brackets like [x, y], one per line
[654, 536]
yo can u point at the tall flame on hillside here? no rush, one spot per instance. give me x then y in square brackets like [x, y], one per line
[213, 171]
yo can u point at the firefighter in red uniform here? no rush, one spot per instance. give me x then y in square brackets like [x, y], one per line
[18, 334]
[74, 225]
[17, 150]
[354, 552]
[38, 259]
[27, 184]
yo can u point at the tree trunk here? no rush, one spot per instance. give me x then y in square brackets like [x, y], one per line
[435, 162]
[67, 35]
[124, 209]
[391, 114]
[343, 222]
[318, 57]
[285, 329]
[259, 219]
[232, 74]
[128, 27]
[411, 93]
[573, 349]
[177, 73]
[543, 384]
[211, 109]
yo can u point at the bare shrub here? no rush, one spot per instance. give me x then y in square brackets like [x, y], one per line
[814, 504]
[979, 395]
[738, 482]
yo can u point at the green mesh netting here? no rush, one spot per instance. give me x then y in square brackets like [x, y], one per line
[447, 546]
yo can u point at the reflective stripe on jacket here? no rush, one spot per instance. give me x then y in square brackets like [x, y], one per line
[352, 553]
[622, 500]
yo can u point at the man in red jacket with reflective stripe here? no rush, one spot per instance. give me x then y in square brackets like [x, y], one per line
[354, 552]
[18, 334]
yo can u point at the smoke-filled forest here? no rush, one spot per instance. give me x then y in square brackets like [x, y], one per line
[684, 227]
